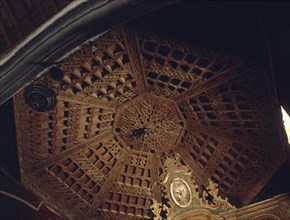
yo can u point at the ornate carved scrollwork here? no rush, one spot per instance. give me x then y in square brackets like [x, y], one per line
[184, 194]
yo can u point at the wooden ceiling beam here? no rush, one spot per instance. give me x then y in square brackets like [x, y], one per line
[12, 17]
[156, 164]
[23, 7]
[53, 4]
[94, 102]
[226, 75]
[135, 58]
[4, 33]
[43, 13]
[72, 150]
[193, 126]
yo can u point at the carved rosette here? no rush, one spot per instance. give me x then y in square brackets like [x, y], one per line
[149, 123]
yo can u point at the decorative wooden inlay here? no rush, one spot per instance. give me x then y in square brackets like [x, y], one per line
[127, 103]
[149, 123]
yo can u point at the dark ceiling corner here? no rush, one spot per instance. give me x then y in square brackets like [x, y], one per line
[278, 184]
[256, 31]
[12, 209]
[8, 144]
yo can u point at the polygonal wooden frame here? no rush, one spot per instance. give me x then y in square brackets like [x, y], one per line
[166, 121]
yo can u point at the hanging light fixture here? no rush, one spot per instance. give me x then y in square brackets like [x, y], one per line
[40, 97]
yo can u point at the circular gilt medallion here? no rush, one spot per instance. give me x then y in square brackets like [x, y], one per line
[180, 192]
[149, 123]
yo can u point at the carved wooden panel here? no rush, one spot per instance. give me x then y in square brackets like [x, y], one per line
[129, 99]
[131, 193]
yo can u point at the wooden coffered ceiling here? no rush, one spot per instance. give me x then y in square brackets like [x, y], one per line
[127, 101]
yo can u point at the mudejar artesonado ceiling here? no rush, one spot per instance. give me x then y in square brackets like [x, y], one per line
[103, 133]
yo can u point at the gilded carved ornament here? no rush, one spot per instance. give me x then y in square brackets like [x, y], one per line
[183, 194]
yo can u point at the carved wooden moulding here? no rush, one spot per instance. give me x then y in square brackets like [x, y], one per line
[126, 102]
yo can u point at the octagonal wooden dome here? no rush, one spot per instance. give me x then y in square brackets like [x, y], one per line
[129, 99]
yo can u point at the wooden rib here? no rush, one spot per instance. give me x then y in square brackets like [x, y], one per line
[222, 77]
[54, 6]
[57, 4]
[23, 7]
[80, 146]
[108, 183]
[193, 126]
[155, 161]
[42, 12]
[93, 102]
[12, 17]
[132, 44]
[4, 33]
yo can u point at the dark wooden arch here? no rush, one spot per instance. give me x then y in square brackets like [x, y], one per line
[67, 32]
